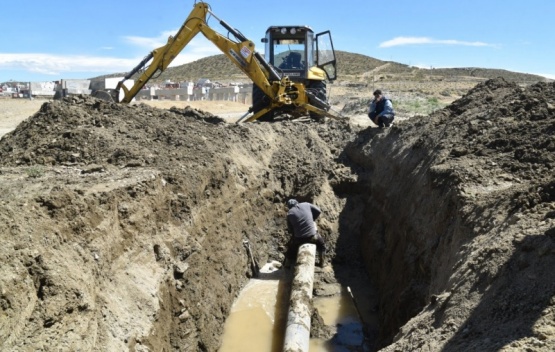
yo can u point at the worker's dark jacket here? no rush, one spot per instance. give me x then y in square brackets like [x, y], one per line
[300, 220]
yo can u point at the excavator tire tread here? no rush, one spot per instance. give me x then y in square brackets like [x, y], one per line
[319, 89]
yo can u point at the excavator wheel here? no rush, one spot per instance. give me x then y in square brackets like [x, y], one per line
[260, 101]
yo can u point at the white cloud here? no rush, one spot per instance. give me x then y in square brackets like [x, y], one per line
[148, 42]
[88, 66]
[198, 48]
[401, 41]
[57, 64]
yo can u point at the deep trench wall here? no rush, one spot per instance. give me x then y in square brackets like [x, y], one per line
[412, 230]
[120, 266]
[417, 226]
[458, 229]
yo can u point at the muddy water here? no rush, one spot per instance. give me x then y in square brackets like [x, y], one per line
[340, 313]
[257, 319]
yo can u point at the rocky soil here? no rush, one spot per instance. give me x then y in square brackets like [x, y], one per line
[122, 226]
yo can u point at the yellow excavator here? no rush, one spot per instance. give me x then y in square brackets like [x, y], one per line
[289, 79]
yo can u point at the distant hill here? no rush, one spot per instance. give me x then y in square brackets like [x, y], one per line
[350, 66]
[487, 73]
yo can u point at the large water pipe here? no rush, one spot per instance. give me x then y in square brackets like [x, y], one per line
[297, 331]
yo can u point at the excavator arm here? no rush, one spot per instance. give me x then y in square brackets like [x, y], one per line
[162, 56]
[241, 52]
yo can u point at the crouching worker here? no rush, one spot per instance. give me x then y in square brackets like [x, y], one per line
[381, 110]
[301, 224]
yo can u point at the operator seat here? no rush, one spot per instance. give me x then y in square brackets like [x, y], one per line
[292, 61]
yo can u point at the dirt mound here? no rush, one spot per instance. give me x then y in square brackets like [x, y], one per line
[123, 225]
[81, 130]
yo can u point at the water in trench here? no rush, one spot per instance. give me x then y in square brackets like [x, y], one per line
[251, 325]
[258, 317]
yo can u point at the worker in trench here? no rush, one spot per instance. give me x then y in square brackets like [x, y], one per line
[301, 224]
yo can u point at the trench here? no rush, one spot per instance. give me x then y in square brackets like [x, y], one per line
[380, 251]
[184, 226]
[353, 311]
[126, 223]
[399, 228]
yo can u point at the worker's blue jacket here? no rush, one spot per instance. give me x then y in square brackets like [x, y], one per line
[382, 108]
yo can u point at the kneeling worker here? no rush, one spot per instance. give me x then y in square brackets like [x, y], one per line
[381, 110]
[301, 219]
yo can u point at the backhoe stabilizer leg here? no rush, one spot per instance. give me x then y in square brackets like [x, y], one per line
[259, 114]
[321, 112]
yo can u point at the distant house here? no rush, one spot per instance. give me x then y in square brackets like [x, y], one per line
[204, 82]
[10, 89]
[170, 85]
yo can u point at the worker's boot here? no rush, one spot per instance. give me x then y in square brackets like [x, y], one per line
[321, 259]
[287, 262]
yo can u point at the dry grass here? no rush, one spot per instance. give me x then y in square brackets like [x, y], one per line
[13, 111]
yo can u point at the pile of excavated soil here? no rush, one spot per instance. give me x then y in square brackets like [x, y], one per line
[122, 226]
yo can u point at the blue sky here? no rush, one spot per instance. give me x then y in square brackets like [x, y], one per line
[51, 40]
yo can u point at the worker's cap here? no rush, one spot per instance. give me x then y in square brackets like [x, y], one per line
[377, 92]
[291, 203]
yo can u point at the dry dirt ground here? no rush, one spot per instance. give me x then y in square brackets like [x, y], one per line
[122, 226]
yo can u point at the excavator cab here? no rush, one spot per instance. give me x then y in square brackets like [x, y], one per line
[295, 50]
[305, 59]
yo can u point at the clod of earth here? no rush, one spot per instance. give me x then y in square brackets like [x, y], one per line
[128, 232]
